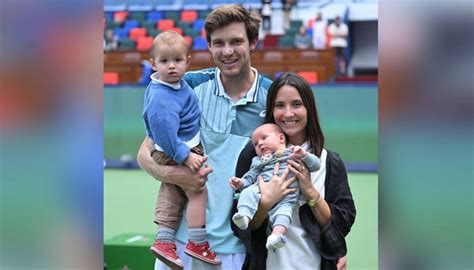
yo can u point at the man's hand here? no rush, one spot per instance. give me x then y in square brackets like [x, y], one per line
[196, 181]
[173, 174]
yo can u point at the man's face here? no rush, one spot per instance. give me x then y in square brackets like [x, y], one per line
[230, 49]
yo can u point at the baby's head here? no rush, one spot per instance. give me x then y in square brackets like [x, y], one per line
[268, 138]
[169, 56]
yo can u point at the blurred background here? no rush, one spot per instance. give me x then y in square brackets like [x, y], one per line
[60, 206]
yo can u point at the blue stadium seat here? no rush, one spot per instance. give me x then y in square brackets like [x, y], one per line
[198, 24]
[199, 43]
[121, 32]
[155, 16]
[129, 24]
[109, 16]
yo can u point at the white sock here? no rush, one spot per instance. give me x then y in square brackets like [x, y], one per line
[276, 241]
[241, 221]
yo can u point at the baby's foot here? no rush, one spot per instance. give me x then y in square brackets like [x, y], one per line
[241, 221]
[275, 241]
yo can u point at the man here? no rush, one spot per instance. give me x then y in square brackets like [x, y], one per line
[319, 31]
[232, 100]
[338, 32]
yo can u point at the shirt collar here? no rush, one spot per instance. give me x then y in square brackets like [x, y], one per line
[251, 95]
[155, 79]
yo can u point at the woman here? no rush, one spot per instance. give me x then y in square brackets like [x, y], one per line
[325, 210]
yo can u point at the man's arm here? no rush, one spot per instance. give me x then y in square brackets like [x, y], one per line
[173, 174]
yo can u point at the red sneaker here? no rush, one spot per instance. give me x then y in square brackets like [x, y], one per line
[202, 252]
[166, 252]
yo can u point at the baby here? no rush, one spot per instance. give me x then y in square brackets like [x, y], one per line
[270, 144]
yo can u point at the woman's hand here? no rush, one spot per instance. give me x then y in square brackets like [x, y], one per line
[275, 189]
[342, 263]
[304, 178]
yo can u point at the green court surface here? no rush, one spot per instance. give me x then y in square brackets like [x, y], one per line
[130, 195]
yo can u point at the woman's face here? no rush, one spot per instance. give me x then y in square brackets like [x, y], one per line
[291, 114]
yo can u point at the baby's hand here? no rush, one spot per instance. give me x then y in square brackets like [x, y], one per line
[298, 152]
[194, 161]
[236, 183]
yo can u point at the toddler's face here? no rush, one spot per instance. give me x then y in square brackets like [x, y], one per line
[170, 62]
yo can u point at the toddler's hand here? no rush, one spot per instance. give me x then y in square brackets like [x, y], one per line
[236, 183]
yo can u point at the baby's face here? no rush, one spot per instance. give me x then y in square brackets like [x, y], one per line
[267, 141]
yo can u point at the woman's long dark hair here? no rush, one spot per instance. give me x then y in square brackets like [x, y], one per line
[314, 134]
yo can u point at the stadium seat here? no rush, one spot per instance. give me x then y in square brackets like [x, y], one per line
[270, 41]
[192, 32]
[203, 14]
[121, 32]
[177, 30]
[292, 31]
[310, 76]
[172, 14]
[152, 32]
[296, 23]
[120, 16]
[129, 24]
[286, 41]
[184, 25]
[112, 25]
[198, 24]
[165, 24]
[199, 43]
[144, 44]
[154, 16]
[136, 33]
[111, 78]
[126, 44]
[189, 16]
[138, 15]
[189, 41]
[149, 24]
[109, 16]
